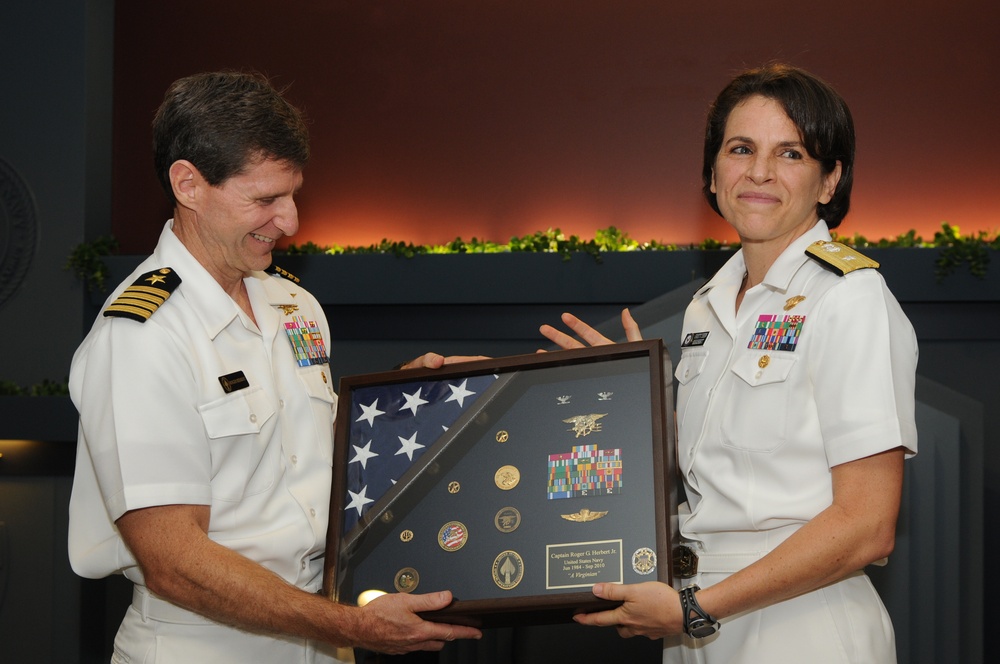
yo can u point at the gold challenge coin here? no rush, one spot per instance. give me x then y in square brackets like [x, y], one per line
[507, 478]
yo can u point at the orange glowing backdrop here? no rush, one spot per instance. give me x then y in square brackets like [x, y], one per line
[433, 119]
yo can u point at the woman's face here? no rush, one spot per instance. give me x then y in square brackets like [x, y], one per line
[766, 184]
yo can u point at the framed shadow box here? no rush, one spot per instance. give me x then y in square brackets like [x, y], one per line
[515, 482]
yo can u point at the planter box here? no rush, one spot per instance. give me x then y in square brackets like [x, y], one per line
[534, 278]
[912, 277]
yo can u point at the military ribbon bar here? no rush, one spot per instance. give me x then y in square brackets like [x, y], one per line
[774, 334]
[586, 471]
[307, 341]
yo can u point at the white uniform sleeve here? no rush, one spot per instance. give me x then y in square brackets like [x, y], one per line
[864, 370]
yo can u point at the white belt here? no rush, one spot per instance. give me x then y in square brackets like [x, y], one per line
[151, 607]
[726, 563]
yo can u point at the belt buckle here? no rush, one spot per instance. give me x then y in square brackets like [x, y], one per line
[685, 562]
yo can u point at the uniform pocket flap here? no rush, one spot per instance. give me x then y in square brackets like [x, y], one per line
[317, 382]
[764, 369]
[690, 366]
[237, 414]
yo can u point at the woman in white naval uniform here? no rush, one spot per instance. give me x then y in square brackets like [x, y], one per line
[795, 405]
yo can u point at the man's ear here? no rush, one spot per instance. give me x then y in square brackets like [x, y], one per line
[187, 182]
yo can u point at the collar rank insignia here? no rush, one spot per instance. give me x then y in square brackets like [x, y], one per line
[282, 272]
[838, 257]
[141, 300]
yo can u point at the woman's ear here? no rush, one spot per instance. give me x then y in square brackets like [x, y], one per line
[830, 182]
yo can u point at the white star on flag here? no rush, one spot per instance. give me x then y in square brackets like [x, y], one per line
[409, 445]
[370, 413]
[358, 500]
[362, 454]
[413, 401]
[459, 393]
[385, 423]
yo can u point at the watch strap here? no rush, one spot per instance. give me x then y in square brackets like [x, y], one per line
[697, 622]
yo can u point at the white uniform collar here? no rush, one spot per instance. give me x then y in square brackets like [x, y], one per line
[780, 274]
[212, 304]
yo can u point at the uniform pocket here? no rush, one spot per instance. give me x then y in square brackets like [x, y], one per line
[234, 425]
[757, 415]
[323, 401]
[689, 368]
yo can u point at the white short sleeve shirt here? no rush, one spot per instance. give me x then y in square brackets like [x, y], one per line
[198, 405]
[815, 370]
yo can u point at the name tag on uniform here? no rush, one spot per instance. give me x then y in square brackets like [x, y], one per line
[694, 339]
[234, 381]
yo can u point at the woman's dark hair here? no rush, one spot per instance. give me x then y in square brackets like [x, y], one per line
[222, 122]
[821, 115]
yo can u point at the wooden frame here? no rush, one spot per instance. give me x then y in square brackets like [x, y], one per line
[542, 475]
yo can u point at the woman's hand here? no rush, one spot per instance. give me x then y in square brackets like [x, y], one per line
[649, 609]
[589, 335]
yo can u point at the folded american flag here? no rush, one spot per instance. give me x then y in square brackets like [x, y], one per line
[392, 426]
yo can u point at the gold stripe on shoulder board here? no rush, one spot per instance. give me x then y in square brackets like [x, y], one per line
[839, 257]
[282, 272]
[141, 300]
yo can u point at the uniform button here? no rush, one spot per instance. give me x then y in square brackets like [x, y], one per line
[295, 459]
[281, 403]
[253, 418]
[312, 512]
[758, 374]
[303, 564]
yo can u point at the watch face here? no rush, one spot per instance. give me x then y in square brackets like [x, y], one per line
[701, 631]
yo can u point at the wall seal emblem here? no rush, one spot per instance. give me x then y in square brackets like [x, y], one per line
[18, 230]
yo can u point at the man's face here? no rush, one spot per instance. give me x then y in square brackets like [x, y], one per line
[239, 221]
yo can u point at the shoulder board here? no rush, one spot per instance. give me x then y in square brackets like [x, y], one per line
[282, 272]
[141, 300]
[838, 257]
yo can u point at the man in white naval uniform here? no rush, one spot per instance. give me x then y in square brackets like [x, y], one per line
[206, 412]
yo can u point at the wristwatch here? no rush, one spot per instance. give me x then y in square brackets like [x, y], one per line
[697, 623]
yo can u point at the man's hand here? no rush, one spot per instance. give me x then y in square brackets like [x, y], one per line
[589, 336]
[435, 361]
[389, 624]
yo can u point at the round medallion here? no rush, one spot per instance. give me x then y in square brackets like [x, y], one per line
[454, 487]
[406, 580]
[507, 520]
[507, 478]
[508, 569]
[19, 233]
[644, 561]
[406, 535]
[502, 436]
[452, 536]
